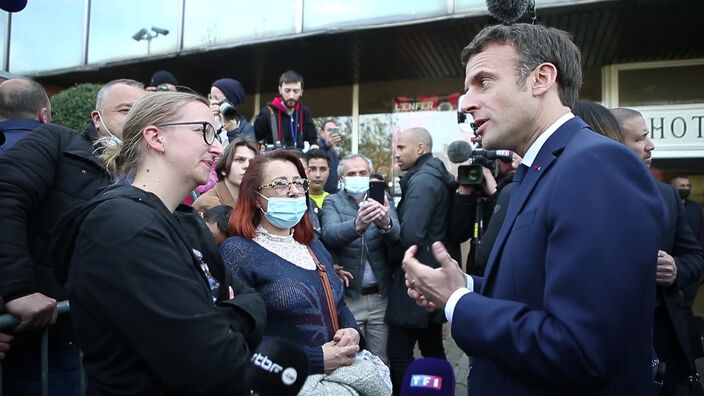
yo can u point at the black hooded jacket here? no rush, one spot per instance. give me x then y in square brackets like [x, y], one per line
[427, 190]
[142, 304]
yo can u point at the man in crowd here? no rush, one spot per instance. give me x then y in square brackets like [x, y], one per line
[232, 123]
[318, 172]
[357, 229]
[162, 81]
[680, 264]
[24, 106]
[329, 138]
[692, 209]
[285, 119]
[565, 305]
[426, 189]
[43, 176]
[113, 102]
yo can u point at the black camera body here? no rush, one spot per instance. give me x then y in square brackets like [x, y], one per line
[472, 174]
[228, 110]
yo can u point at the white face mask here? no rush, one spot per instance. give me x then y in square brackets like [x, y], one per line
[114, 140]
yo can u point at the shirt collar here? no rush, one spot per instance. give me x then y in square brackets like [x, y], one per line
[534, 148]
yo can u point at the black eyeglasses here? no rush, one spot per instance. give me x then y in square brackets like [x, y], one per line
[206, 128]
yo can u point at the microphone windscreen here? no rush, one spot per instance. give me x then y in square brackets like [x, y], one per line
[13, 5]
[277, 367]
[429, 376]
[507, 11]
[459, 151]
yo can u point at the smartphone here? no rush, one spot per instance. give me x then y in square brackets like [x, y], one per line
[376, 191]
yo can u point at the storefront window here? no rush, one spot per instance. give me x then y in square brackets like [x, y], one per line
[3, 25]
[661, 86]
[115, 27]
[46, 35]
[210, 22]
[319, 14]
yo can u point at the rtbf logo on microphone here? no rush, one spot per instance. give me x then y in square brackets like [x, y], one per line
[426, 381]
[288, 376]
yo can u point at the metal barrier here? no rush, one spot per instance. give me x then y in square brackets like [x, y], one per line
[8, 321]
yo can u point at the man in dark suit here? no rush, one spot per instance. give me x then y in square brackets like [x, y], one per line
[680, 266]
[565, 304]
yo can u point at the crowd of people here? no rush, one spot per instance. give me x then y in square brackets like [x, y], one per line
[183, 235]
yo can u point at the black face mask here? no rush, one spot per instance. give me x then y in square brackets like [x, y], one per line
[684, 192]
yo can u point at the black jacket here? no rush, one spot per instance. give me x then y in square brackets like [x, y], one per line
[306, 131]
[350, 249]
[44, 175]
[462, 218]
[427, 190]
[141, 304]
[681, 244]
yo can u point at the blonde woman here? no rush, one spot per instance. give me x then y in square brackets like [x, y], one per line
[154, 308]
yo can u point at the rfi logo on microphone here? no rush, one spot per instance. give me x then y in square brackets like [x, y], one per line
[426, 381]
[265, 363]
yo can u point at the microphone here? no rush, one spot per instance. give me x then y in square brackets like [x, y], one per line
[277, 367]
[460, 151]
[13, 5]
[507, 11]
[429, 376]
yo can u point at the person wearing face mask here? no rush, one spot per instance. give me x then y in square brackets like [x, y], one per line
[230, 169]
[273, 250]
[357, 230]
[225, 95]
[693, 209]
[43, 176]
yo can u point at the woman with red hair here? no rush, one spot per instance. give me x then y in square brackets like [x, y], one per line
[274, 251]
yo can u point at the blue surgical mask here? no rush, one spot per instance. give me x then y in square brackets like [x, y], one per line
[113, 140]
[357, 185]
[284, 212]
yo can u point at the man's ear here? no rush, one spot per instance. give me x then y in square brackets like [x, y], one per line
[545, 77]
[95, 117]
[154, 138]
[44, 115]
[281, 92]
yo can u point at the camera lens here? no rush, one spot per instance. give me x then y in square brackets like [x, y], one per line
[228, 110]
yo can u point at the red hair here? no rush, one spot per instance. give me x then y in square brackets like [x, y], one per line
[246, 215]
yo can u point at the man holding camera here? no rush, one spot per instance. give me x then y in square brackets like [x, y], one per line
[356, 230]
[329, 138]
[225, 95]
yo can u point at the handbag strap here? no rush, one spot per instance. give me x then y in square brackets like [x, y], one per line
[328, 291]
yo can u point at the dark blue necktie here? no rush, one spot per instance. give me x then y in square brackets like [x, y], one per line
[517, 178]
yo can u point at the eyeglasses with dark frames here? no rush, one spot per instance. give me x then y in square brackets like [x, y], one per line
[283, 186]
[206, 128]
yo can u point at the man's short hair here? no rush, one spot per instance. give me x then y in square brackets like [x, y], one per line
[327, 121]
[22, 99]
[421, 135]
[344, 159]
[535, 44]
[673, 182]
[102, 93]
[623, 114]
[317, 153]
[219, 215]
[290, 76]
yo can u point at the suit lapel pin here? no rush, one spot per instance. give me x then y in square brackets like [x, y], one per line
[537, 167]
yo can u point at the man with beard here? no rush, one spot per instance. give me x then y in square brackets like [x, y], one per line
[285, 119]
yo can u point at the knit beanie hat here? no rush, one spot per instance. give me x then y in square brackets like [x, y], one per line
[233, 90]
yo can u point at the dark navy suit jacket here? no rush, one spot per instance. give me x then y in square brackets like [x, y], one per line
[566, 302]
